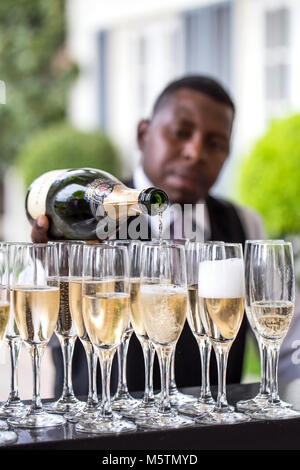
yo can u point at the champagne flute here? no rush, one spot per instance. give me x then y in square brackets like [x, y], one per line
[6, 437]
[221, 290]
[106, 306]
[272, 299]
[163, 304]
[13, 405]
[122, 400]
[177, 398]
[75, 304]
[147, 406]
[35, 285]
[255, 404]
[66, 333]
[205, 400]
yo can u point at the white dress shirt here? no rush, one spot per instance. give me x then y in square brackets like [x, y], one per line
[251, 221]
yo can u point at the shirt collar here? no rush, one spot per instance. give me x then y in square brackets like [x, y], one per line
[141, 181]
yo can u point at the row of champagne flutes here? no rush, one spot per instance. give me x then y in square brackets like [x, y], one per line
[268, 296]
[221, 282]
[148, 284]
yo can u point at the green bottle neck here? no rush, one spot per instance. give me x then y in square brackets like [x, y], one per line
[153, 201]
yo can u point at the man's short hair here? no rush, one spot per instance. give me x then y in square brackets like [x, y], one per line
[202, 84]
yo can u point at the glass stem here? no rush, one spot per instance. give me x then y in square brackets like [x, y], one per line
[91, 357]
[149, 353]
[14, 345]
[172, 385]
[36, 355]
[273, 354]
[222, 351]
[264, 387]
[105, 358]
[122, 364]
[205, 352]
[164, 356]
[67, 347]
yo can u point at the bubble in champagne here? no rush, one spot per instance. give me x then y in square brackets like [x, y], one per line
[221, 278]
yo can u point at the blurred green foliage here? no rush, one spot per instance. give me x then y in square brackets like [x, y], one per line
[35, 67]
[251, 363]
[270, 177]
[61, 146]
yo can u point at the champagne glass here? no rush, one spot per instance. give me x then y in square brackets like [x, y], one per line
[106, 306]
[75, 304]
[123, 401]
[163, 304]
[177, 398]
[147, 406]
[13, 405]
[272, 299]
[35, 285]
[205, 400]
[6, 437]
[221, 290]
[255, 404]
[66, 333]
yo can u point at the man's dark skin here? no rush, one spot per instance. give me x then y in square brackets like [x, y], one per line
[183, 147]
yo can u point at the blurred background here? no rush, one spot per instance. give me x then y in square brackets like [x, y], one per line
[79, 74]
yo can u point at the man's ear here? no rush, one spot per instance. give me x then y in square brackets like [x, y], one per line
[142, 130]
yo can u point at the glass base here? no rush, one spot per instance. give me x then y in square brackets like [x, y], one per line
[165, 421]
[141, 411]
[82, 415]
[65, 405]
[274, 412]
[13, 409]
[100, 425]
[196, 409]
[124, 402]
[254, 404]
[7, 438]
[3, 425]
[177, 398]
[226, 416]
[38, 420]
[284, 404]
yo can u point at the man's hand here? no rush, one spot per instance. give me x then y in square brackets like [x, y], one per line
[39, 229]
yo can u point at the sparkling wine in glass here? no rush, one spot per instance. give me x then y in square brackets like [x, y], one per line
[122, 400]
[76, 306]
[164, 301]
[13, 405]
[272, 303]
[35, 285]
[177, 398]
[106, 307]
[66, 333]
[147, 406]
[221, 290]
[256, 403]
[6, 437]
[205, 400]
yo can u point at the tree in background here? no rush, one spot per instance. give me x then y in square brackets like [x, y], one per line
[36, 69]
[270, 181]
[60, 146]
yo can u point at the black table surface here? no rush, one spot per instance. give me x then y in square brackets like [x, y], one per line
[266, 435]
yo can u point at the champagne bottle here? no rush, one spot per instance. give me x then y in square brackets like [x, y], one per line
[77, 200]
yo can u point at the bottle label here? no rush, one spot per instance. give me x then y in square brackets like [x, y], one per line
[98, 190]
[36, 201]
